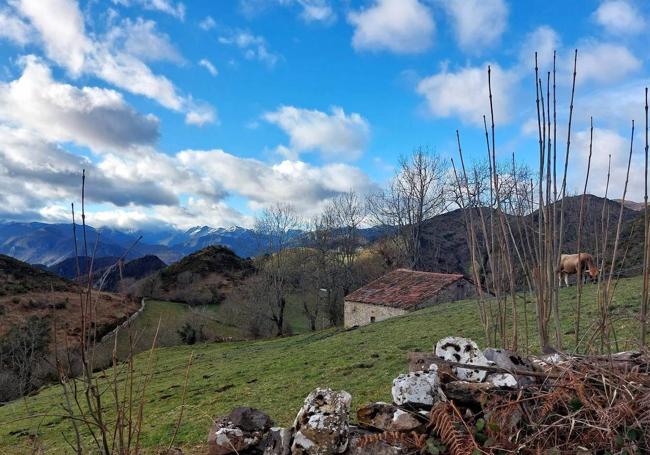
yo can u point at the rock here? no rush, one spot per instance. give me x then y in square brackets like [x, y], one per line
[470, 394]
[249, 419]
[502, 380]
[277, 442]
[242, 429]
[463, 350]
[509, 360]
[417, 389]
[321, 426]
[506, 359]
[360, 446]
[386, 417]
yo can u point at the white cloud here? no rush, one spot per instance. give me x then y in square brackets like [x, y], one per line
[131, 74]
[111, 59]
[464, 93]
[207, 64]
[606, 142]
[603, 62]
[164, 6]
[335, 135]
[315, 10]
[208, 23]
[36, 172]
[200, 114]
[141, 39]
[64, 39]
[619, 17]
[478, 24]
[95, 117]
[401, 26]
[253, 46]
[296, 182]
[543, 40]
[14, 29]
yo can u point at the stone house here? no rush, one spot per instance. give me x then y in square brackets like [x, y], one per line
[402, 291]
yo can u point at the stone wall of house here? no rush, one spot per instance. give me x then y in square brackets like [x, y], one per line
[357, 313]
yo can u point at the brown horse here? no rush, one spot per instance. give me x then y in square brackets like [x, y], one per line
[571, 264]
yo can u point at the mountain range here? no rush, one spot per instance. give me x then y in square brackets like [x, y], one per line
[50, 244]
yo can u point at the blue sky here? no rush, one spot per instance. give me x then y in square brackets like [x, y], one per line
[188, 113]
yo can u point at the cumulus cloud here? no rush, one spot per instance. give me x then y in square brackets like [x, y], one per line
[208, 23]
[297, 182]
[164, 6]
[254, 47]
[37, 171]
[543, 40]
[619, 17]
[64, 39]
[117, 58]
[604, 62]
[141, 39]
[13, 28]
[94, 117]
[606, 142]
[207, 64]
[478, 24]
[335, 135]
[400, 26]
[200, 114]
[314, 10]
[464, 93]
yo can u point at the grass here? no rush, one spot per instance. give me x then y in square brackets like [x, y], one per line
[275, 375]
[172, 316]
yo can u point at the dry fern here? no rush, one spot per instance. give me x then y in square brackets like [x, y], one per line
[410, 440]
[447, 423]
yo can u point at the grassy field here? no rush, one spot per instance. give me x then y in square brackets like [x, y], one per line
[275, 375]
[172, 316]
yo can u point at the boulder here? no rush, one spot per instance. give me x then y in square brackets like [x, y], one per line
[242, 429]
[418, 389]
[463, 350]
[387, 417]
[277, 442]
[321, 426]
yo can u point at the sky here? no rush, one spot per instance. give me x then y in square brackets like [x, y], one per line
[204, 113]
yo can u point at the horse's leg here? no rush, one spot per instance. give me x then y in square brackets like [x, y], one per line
[566, 279]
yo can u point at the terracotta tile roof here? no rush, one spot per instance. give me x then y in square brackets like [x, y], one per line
[403, 288]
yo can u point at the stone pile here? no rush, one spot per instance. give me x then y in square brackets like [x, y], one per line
[322, 425]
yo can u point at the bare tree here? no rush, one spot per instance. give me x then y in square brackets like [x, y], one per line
[416, 193]
[275, 227]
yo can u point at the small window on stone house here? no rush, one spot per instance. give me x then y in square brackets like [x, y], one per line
[372, 319]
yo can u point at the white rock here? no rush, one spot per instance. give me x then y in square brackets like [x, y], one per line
[502, 380]
[418, 388]
[463, 350]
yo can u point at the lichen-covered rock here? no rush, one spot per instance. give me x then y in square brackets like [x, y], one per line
[462, 350]
[417, 389]
[277, 441]
[321, 426]
[387, 417]
[242, 429]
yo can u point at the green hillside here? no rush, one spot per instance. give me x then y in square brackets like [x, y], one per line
[275, 375]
